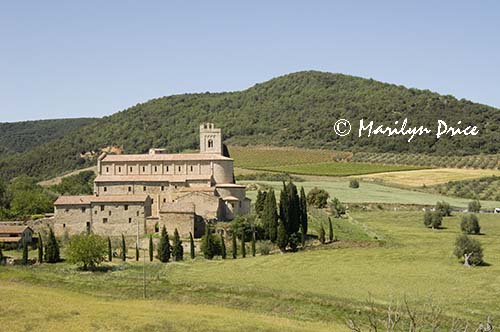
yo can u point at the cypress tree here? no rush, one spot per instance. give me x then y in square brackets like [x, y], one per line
[234, 246]
[293, 209]
[52, 248]
[208, 248]
[191, 246]
[259, 202]
[282, 239]
[283, 208]
[330, 230]
[322, 235]
[177, 250]
[1, 255]
[110, 250]
[164, 250]
[243, 249]
[253, 243]
[151, 248]
[223, 247]
[270, 217]
[302, 237]
[136, 251]
[303, 211]
[25, 253]
[40, 248]
[124, 249]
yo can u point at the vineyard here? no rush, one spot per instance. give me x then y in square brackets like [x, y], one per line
[487, 188]
[474, 161]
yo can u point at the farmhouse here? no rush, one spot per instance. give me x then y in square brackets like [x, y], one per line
[15, 235]
[142, 192]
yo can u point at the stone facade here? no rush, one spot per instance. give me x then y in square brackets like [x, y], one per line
[159, 187]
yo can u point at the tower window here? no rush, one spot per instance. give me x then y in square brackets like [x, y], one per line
[104, 220]
[119, 169]
[64, 225]
[107, 169]
[167, 168]
[179, 168]
[109, 213]
[125, 207]
[191, 168]
[138, 213]
[143, 169]
[83, 210]
[129, 220]
[129, 189]
[156, 169]
[162, 188]
[105, 189]
[210, 143]
[102, 207]
[130, 169]
[144, 188]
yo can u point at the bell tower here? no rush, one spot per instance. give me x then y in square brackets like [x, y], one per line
[210, 139]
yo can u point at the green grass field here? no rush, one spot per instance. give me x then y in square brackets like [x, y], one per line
[310, 290]
[374, 193]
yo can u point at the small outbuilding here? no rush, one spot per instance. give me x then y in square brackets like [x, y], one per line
[15, 235]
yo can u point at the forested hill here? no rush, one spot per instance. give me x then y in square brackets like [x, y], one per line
[17, 137]
[298, 109]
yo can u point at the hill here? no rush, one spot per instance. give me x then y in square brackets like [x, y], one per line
[298, 109]
[18, 137]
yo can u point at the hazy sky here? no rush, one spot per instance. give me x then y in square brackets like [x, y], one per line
[93, 58]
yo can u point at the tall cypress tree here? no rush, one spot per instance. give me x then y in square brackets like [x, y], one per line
[25, 253]
[223, 246]
[164, 250]
[253, 242]
[151, 248]
[282, 239]
[191, 246]
[177, 250]
[243, 249]
[124, 249]
[234, 246]
[294, 214]
[1, 255]
[283, 207]
[303, 211]
[110, 250]
[208, 246]
[322, 235]
[302, 237]
[52, 248]
[330, 230]
[270, 217]
[40, 248]
[136, 251]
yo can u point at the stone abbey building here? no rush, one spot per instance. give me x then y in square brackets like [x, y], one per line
[139, 193]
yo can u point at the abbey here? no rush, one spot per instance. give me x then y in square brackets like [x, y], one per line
[142, 192]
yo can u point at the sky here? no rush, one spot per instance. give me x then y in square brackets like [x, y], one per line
[61, 59]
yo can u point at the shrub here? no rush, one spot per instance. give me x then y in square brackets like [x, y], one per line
[88, 250]
[474, 206]
[317, 197]
[465, 245]
[443, 208]
[265, 248]
[470, 224]
[353, 183]
[433, 219]
[337, 208]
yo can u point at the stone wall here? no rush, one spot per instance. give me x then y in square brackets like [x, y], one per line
[184, 222]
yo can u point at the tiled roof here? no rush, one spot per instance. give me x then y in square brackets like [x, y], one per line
[12, 229]
[164, 157]
[73, 200]
[87, 200]
[177, 207]
[10, 239]
[229, 185]
[151, 178]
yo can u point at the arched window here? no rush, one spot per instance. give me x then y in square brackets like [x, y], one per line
[210, 143]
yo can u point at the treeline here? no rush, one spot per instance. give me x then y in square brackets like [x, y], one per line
[487, 188]
[298, 109]
[24, 198]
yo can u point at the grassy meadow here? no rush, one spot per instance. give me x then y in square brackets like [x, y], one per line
[372, 193]
[316, 289]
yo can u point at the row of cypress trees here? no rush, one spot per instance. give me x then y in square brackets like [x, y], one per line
[213, 246]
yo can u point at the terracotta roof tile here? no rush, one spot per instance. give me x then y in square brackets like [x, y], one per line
[150, 178]
[163, 157]
[87, 200]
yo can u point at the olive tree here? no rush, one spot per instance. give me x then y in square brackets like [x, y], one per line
[87, 250]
